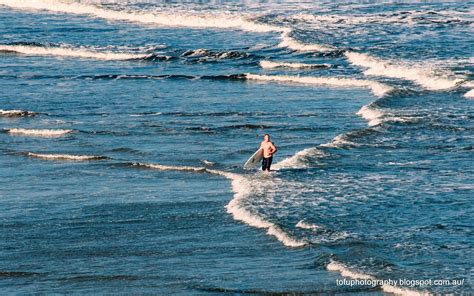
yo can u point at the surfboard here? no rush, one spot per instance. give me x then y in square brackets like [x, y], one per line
[254, 160]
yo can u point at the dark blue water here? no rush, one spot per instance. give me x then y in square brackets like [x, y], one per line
[124, 127]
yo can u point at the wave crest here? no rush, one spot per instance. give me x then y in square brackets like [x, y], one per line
[175, 19]
[426, 78]
[242, 190]
[305, 225]
[347, 272]
[377, 88]
[16, 113]
[39, 132]
[469, 94]
[66, 156]
[66, 51]
[291, 43]
[300, 159]
[274, 65]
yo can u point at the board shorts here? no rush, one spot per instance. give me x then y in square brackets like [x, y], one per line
[266, 163]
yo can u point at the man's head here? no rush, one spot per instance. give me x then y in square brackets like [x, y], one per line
[266, 137]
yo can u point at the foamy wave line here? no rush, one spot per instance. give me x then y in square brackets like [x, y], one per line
[66, 156]
[175, 19]
[69, 52]
[16, 113]
[338, 142]
[406, 18]
[377, 88]
[291, 43]
[344, 271]
[172, 167]
[373, 116]
[275, 65]
[304, 225]
[469, 94]
[162, 18]
[347, 272]
[299, 160]
[242, 190]
[39, 132]
[377, 67]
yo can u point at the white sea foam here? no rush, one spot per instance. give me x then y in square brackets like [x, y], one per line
[305, 225]
[66, 156]
[373, 116]
[163, 18]
[70, 52]
[377, 88]
[403, 291]
[300, 159]
[39, 132]
[196, 52]
[173, 167]
[274, 65]
[15, 113]
[167, 19]
[347, 272]
[208, 162]
[291, 43]
[338, 141]
[469, 94]
[427, 78]
[242, 189]
[408, 18]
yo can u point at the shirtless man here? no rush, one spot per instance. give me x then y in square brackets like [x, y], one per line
[268, 150]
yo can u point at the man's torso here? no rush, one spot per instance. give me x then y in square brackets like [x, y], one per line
[267, 147]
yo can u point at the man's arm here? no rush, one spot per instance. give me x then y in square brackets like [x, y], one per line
[274, 148]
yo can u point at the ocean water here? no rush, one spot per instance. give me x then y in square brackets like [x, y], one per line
[124, 127]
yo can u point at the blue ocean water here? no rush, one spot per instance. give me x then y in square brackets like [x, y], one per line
[124, 126]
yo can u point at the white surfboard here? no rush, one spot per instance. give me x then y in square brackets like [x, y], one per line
[254, 160]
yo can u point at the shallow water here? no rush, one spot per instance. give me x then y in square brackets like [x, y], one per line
[122, 170]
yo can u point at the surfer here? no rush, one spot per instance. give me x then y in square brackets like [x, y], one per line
[268, 150]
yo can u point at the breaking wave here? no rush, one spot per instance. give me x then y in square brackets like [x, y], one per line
[16, 113]
[305, 225]
[207, 54]
[347, 272]
[66, 156]
[340, 141]
[65, 51]
[301, 159]
[377, 88]
[291, 43]
[175, 19]
[403, 17]
[274, 65]
[373, 116]
[469, 94]
[242, 189]
[425, 77]
[171, 167]
[167, 19]
[38, 132]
